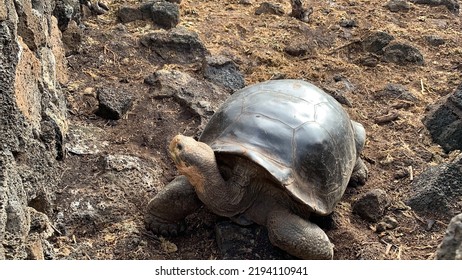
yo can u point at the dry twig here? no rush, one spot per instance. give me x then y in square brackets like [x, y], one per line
[387, 118]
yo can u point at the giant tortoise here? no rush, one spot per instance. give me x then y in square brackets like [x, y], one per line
[273, 154]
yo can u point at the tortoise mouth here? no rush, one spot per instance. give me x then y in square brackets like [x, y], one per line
[182, 151]
[176, 148]
[174, 157]
[173, 150]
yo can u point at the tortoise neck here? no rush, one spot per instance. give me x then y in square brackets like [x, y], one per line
[224, 197]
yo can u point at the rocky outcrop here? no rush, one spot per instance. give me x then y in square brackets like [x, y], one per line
[402, 54]
[372, 205]
[452, 5]
[113, 103]
[451, 246]
[223, 71]
[166, 14]
[438, 189]
[185, 89]
[269, 8]
[380, 46]
[32, 124]
[444, 121]
[66, 11]
[396, 6]
[178, 45]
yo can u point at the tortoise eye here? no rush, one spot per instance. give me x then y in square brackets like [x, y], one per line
[179, 146]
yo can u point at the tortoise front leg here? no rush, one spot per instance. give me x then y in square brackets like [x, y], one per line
[168, 209]
[298, 237]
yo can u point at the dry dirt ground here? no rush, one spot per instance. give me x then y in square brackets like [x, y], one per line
[100, 206]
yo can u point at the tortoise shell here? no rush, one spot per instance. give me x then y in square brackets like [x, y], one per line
[298, 133]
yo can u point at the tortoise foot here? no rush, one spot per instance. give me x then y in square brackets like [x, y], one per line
[360, 174]
[298, 237]
[158, 226]
[167, 210]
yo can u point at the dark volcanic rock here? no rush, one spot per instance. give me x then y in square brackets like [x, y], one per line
[371, 206]
[451, 246]
[452, 5]
[438, 189]
[127, 14]
[199, 96]
[403, 54]
[223, 71]
[113, 103]
[299, 12]
[435, 40]
[395, 92]
[269, 8]
[398, 6]
[369, 61]
[376, 42]
[340, 88]
[177, 45]
[66, 11]
[444, 121]
[163, 13]
[387, 223]
[245, 2]
[297, 48]
[348, 23]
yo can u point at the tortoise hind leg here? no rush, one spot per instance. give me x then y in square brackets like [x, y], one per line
[359, 175]
[168, 209]
[298, 237]
[360, 172]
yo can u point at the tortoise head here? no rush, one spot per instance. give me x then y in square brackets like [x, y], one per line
[193, 159]
[196, 160]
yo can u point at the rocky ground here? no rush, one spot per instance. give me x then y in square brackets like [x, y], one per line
[134, 84]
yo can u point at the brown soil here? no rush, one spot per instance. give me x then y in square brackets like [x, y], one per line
[111, 56]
